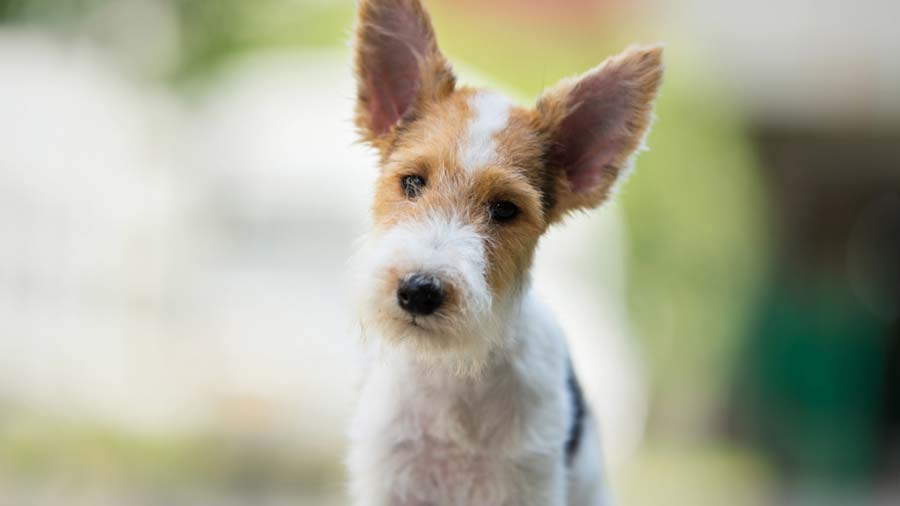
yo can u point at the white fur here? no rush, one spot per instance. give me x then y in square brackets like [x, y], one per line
[490, 114]
[426, 435]
[445, 246]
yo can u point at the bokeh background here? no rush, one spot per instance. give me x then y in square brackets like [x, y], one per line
[180, 193]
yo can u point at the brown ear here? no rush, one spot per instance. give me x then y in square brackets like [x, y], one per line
[398, 65]
[596, 122]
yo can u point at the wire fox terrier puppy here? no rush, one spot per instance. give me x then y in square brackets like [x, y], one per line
[469, 397]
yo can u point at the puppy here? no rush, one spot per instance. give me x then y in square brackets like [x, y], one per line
[469, 397]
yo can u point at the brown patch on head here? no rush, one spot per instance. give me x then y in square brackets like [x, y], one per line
[509, 246]
[525, 145]
[425, 148]
[522, 179]
[566, 154]
[431, 148]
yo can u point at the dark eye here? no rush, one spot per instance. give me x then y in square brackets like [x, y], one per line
[502, 211]
[412, 185]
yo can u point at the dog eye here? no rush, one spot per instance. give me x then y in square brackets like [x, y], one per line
[502, 211]
[412, 185]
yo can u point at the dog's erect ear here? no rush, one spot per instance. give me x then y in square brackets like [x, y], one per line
[595, 123]
[398, 65]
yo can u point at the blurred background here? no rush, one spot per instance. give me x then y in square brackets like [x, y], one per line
[180, 193]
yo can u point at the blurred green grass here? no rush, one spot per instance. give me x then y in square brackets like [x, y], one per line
[40, 448]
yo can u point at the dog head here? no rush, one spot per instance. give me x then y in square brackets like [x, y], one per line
[469, 181]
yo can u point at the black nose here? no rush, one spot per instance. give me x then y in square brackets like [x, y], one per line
[420, 294]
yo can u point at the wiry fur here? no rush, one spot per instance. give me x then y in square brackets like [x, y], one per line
[425, 435]
[469, 405]
[445, 246]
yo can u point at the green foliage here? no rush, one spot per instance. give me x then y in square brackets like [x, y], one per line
[698, 245]
[215, 31]
[36, 448]
[45, 11]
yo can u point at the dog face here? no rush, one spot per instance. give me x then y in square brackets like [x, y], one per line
[468, 181]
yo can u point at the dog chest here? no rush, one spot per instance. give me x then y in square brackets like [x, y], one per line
[451, 455]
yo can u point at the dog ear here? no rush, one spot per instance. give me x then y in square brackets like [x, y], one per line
[398, 66]
[595, 123]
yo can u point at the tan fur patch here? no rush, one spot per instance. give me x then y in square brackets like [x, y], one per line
[430, 148]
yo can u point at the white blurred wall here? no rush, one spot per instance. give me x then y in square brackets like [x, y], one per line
[798, 62]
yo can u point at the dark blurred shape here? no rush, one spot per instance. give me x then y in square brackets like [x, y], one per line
[818, 384]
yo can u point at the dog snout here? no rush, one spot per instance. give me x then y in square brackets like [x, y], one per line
[420, 294]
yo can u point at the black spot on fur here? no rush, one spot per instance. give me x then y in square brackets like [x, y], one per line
[579, 411]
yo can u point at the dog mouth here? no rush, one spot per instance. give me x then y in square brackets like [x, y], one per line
[427, 324]
[423, 323]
